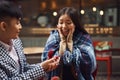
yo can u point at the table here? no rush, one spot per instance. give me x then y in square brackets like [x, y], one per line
[33, 50]
[33, 54]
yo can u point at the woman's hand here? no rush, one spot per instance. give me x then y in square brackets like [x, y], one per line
[70, 34]
[69, 38]
[62, 37]
[62, 42]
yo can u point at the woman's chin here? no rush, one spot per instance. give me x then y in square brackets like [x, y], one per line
[65, 35]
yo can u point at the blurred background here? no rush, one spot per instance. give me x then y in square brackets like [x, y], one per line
[101, 18]
[42, 13]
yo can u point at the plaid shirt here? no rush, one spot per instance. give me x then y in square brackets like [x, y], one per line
[82, 58]
[8, 68]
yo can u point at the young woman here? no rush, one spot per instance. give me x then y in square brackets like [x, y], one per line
[73, 44]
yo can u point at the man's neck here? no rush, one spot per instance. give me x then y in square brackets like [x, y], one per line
[6, 41]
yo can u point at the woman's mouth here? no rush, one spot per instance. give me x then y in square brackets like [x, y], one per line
[65, 32]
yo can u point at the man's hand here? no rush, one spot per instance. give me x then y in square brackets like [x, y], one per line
[50, 64]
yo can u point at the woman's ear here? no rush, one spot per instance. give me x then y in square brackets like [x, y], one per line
[3, 26]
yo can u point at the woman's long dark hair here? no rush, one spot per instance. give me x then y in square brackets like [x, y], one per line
[75, 17]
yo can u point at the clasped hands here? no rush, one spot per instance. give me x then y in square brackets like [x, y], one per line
[66, 41]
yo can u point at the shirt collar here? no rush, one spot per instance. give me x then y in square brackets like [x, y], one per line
[8, 47]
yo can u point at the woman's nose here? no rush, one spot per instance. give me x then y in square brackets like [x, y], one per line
[64, 26]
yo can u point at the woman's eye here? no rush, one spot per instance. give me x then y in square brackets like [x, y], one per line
[60, 22]
[68, 22]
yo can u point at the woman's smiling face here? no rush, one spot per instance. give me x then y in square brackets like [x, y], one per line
[66, 24]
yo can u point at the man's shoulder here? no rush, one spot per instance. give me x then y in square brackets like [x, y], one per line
[17, 42]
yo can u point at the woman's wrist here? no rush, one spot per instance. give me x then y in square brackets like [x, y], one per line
[70, 45]
[62, 47]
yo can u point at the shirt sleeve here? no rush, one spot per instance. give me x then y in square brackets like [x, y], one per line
[31, 74]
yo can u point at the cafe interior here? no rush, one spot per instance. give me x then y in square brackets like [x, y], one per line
[101, 19]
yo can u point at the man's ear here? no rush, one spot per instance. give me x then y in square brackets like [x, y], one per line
[3, 26]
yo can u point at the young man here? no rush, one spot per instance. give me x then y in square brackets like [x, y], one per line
[13, 65]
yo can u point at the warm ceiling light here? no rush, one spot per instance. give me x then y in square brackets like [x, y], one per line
[53, 5]
[94, 9]
[43, 5]
[101, 12]
[54, 13]
[82, 12]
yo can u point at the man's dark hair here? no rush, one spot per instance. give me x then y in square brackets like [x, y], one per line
[9, 9]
